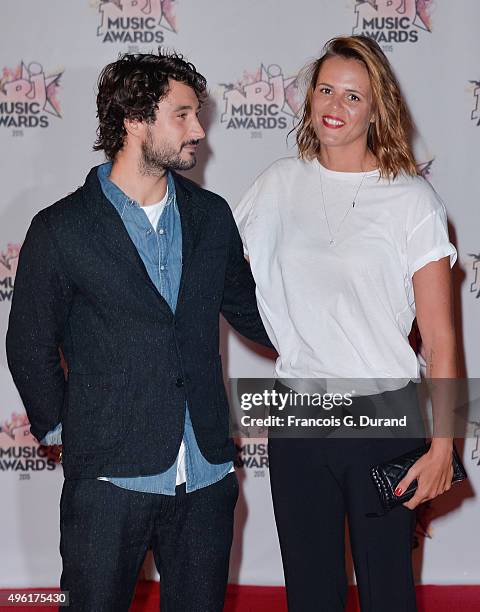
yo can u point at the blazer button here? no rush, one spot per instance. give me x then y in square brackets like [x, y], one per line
[179, 382]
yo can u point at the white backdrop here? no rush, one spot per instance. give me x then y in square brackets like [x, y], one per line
[250, 52]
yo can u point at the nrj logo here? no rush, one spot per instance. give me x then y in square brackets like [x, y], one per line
[135, 21]
[19, 451]
[8, 268]
[28, 97]
[393, 21]
[475, 116]
[475, 285]
[263, 100]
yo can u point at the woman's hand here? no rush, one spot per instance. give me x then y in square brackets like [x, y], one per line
[433, 472]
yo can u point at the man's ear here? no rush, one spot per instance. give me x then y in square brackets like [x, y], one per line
[134, 127]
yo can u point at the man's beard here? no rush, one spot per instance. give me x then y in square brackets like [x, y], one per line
[155, 161]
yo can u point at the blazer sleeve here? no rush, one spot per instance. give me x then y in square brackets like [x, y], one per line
[40, 306]
[239, 305]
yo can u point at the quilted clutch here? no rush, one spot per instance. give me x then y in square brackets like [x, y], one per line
[387, 475]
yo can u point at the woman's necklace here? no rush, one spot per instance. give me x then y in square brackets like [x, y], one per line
[333, 235]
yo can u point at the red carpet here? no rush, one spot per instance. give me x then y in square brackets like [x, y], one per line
[272, 599]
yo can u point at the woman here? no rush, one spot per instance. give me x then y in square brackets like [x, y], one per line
[347, 244]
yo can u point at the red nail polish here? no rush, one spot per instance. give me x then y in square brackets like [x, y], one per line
[398, 491]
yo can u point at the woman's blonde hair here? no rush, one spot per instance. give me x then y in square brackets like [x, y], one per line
[389, 135]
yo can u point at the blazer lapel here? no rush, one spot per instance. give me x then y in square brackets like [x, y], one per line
[114, 234]
[110, 229]
[192, 213]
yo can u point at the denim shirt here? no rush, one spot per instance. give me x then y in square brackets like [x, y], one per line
[161, 251]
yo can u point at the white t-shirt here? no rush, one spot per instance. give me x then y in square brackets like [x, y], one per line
[154, 211]
[343, 310]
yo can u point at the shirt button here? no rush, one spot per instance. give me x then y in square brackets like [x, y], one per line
[148, 232]
[161, 231]
[162, 268]
[179, 382]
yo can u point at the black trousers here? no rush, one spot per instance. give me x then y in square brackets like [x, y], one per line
[106, 532]
[315, 484]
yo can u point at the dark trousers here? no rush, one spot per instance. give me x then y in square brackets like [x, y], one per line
[106, 532]
[315, 484]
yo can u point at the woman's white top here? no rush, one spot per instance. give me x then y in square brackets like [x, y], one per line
[343, 310]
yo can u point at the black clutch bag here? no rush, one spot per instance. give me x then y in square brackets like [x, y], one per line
[387, 475]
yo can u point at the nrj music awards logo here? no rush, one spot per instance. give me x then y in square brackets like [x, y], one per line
[8, 268]
[393, 21]
[135, 21]
[263, 100]
[19, 451]
[28, 97]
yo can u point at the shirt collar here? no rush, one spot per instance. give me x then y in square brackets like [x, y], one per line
[118, 198]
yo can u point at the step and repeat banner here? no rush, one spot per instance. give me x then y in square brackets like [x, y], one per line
[251, 53]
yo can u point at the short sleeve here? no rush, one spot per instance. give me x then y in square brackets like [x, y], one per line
[427, 232]
[242, 213]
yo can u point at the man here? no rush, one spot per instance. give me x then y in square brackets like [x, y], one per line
[127, 277]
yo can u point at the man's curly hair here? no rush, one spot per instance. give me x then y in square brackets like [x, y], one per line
[132, 87]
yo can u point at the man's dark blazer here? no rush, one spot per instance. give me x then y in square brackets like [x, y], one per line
[81, 286]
